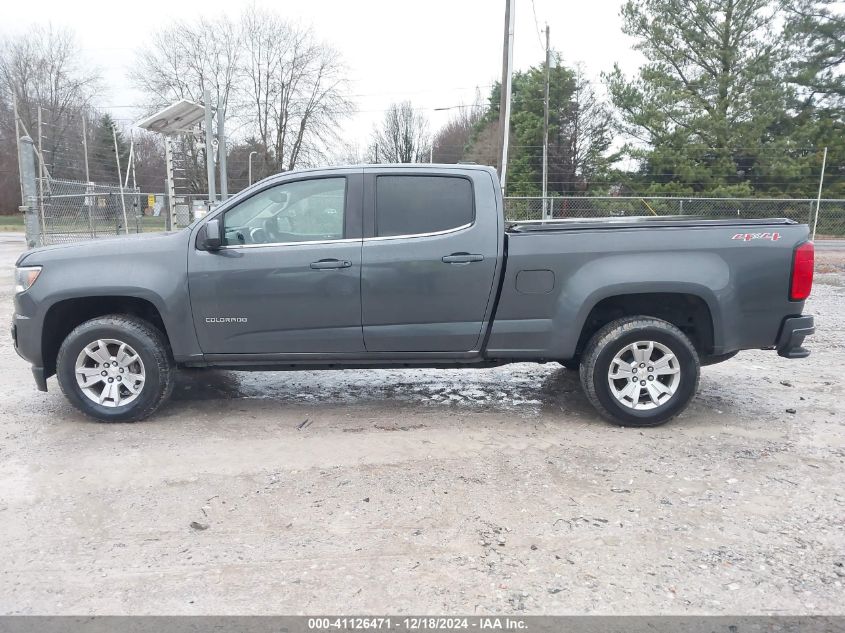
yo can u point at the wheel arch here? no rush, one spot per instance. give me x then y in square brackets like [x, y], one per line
[688, 309]
[63, 316]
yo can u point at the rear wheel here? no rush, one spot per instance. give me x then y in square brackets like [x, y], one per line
[115, 368]
[640, 371]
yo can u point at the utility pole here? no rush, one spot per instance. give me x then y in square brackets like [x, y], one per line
[40, 158]
[120, 181]
[41, 167]
[18, 145]
[221, 148]
[132, 162]
[29, 188]
[505, 97]
[85, 147]
[170, 218]
[249, 169]
[88, 198]
[546, 207]
[130, 166]
[819, 196]
[209, 149]
[129, 160]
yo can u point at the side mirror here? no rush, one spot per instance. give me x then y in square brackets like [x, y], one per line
[212, 240]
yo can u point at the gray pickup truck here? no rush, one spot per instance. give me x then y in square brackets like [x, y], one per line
[411, 266]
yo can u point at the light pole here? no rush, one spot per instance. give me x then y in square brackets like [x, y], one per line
[249, 160]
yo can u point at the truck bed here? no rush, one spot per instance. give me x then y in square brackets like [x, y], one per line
[558, 271]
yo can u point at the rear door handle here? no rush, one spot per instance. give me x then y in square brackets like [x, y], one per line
[462, 258]
[326, 264]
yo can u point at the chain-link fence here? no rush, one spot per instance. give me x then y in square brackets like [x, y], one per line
[71, 210]
[156, 212]
[831, 212]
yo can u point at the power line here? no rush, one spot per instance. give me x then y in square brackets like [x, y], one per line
[537, 27]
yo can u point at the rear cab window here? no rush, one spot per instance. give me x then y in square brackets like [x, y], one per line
[417, 205]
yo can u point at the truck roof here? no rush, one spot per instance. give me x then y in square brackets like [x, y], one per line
[410, 166]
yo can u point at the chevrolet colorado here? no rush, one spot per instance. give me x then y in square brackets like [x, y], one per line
[411, 266]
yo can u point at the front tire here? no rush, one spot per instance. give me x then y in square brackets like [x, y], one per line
[116, 368]
[639, 371]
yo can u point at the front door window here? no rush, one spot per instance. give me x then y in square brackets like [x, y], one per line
[300, 211]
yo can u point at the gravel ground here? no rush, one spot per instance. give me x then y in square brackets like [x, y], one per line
[425, 491]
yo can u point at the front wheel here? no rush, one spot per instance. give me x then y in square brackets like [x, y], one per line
[640, 371]
[115, 368]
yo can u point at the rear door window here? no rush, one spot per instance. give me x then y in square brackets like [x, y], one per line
[414, 205]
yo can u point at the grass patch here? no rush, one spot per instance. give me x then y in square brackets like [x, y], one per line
[11, 222]
[149, 224]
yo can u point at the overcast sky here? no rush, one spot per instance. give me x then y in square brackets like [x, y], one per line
[433, 52]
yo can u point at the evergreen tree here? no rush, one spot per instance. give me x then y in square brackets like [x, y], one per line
[101, 158]
[580, 133]
[816, 33]
[705, 105]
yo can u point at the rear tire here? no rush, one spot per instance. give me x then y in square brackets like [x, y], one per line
[639, 371]
[116, 368]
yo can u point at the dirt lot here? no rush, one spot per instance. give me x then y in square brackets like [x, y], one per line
[431, 491]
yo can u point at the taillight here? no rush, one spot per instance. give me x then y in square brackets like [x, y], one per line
[803, 261]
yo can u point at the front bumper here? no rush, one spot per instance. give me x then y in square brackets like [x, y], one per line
[792, 333]
[40, 376]
[25, 343]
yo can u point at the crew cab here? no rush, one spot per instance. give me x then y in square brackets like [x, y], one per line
[411, 266]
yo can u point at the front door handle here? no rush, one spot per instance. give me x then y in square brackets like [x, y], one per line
[462, 258]
[326, 264]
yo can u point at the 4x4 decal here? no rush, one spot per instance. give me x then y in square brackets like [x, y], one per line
[747, 237]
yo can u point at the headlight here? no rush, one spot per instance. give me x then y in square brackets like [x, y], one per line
[25, 276]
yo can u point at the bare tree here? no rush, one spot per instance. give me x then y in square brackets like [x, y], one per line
[187, 58]
[278, 84]
[350, 153]
[182, 62]
[294, 89]
[484, 146]
[150, 171]
[581, 138]
[9, 188]
[452, 141]
[43, 68]
[403, 136]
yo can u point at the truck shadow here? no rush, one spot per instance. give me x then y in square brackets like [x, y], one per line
[524, 387]
[204, 384]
